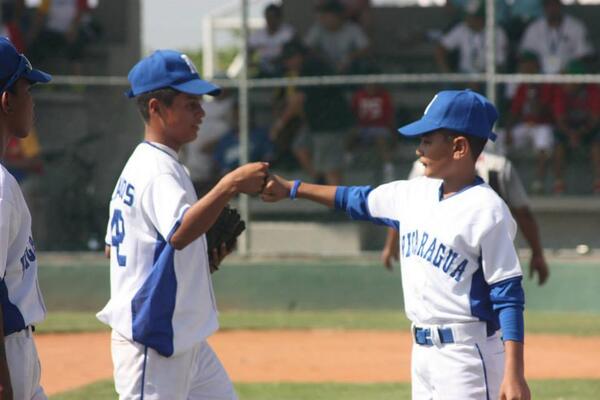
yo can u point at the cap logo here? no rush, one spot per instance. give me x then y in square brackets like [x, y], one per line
[190, 64]
[429, 105]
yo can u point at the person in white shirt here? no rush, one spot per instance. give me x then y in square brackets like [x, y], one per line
[21, 303]
[265, 44]
[340, 43]
[556, 38]
[468, 38]
[162, 307]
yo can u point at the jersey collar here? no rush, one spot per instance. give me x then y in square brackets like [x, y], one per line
[164, 148]
[478, 181]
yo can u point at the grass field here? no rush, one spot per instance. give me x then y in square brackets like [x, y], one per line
[541, 390]
[330, 294]
[535, 321]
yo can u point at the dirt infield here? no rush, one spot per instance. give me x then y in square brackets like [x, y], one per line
[73, 360]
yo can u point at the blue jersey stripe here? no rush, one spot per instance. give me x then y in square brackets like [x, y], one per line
[487, 392]
[13, 319]
[480, 302]
[144, 372]
[153, 305]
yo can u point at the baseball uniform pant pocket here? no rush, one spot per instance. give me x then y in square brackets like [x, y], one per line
[140, 373]
[24, 366]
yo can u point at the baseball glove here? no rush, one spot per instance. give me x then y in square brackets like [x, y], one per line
[228, 226]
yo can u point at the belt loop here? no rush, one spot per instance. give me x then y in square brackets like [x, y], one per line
[435, 337]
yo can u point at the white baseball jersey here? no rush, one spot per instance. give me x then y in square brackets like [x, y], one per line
[20, 294]
[452, 249]
[471, 46]
[160, 297]
[556, 46]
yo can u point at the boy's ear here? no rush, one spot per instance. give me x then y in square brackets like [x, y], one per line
[5, 101]
[461, 147]
[154, 107]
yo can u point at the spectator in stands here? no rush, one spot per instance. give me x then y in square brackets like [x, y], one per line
[340, 43]
[198, 155]
[265, 44]
[10, 26]
[23, 157]
[576, 108]
[462, 7]
[61, 27]
[556, 38]
[521, 14]
[374, 111]
[530, 119]
[227, 150]
[323, 110]
[468, 38]
[359, 12]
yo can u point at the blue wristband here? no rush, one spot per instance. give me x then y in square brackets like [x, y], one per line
[294, 191]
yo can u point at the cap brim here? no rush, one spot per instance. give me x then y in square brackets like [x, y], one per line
[37, 76]
[418, 128]
[198, 87]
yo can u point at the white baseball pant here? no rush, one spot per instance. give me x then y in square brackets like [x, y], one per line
[140, 373]
[24, 365]
[471, 368]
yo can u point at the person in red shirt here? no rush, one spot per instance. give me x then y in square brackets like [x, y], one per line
[576, 108]
[372, 106]
[530, 119]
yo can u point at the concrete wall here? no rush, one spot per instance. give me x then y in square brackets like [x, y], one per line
[86, 133]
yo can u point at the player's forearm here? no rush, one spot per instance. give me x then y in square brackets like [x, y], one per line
[392, 240]
[322, 194]
[529, 228]
[514, 366]
[202, 214]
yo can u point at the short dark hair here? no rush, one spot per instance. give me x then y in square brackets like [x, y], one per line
[12, 88]
[292, 48]
[164, 95]
[476, 143]
[331, 6]
[274, 8]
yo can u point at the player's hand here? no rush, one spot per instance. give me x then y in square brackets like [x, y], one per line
[514, 388]
[276, 189]
[537, 265]
[218, 256]
[250, 178]
[389, 254]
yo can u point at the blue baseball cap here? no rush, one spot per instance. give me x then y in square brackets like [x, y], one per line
[168, 68]
[14, 65]
[462, 111]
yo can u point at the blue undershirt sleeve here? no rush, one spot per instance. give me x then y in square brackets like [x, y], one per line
[508, 300]
[354, 201]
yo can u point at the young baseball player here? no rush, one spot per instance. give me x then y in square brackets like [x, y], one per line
[501, 175]
[460, 272]
[162, 307]
[21, 301]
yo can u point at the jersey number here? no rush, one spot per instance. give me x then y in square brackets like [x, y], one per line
[117, 227]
